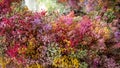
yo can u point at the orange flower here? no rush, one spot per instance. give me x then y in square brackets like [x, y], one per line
[62, 1]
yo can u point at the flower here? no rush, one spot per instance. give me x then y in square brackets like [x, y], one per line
[96, 62]
[68, 19]
[117, 36]
[101, 44]
[65, 61]
[89, 5]
[13, 51]
[101, 30]
[36, 21]
[106, 33]
[73, 3]
[22, 50]
[85, 26]
[47, 27]
[36, 66]
[110, 63]
[68, 42]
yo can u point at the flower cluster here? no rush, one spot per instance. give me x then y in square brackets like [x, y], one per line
[66, 62]
[51, 40]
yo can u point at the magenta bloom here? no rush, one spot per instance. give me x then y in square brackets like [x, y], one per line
[12, 51]
[68, 20]
[85, 25]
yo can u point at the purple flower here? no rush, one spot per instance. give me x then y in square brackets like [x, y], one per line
[37, 21]
[90, 5]
[47, 27]
[96, 62]
[46, 39]
[110, 63]
[117, 36]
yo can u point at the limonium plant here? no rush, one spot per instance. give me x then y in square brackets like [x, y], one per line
[88, 38]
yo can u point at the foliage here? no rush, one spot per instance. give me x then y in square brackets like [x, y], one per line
[50, 39]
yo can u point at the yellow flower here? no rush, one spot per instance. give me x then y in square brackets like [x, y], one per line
[65, 61]
[4, 62]
[54, 24]
[22, 50]
[39, 66]
[68, 42]
[81, 1]
[106, 33]
[36, 66]
[100, 2]
[97, 29]
[25, 8]
[100, 30]
[109, 9]
[31, 43]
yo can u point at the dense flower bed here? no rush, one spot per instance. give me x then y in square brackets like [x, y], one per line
[52, 40]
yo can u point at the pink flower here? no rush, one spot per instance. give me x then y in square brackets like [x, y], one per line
[101, 43]
[117, 46]
[68, 20]
[73, 3]
[85, 26]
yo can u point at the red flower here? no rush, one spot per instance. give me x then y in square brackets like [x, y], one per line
[12, 51]
[20, 59]
[74, 42]
[43, 13]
